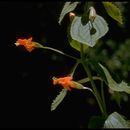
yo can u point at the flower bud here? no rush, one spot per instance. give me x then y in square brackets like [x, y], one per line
[92, 14]
[71, 15]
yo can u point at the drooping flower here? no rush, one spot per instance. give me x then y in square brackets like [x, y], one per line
[65, 82]
[27, 43]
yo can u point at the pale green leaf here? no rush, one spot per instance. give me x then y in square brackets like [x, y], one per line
[113, 11]
[115, 120]
[58, 99]
[81, 33]
[121, 87]
[75, 44]
[68, 7]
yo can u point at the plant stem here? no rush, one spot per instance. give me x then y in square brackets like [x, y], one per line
[96, 93]
[102, 95]
[55, 50]
[74, 68]
[87, 79]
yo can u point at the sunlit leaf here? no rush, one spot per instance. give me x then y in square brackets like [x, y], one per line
[115, 120]
[86, 34]
[75, 44]
[58, 99]
[113, 11]
[121, 87]
[68, 7]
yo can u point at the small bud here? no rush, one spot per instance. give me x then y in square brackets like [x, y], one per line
[71, 15]
[92, 14]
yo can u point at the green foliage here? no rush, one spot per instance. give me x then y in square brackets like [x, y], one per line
[94, 64]
[68, 7]
[76, 45]
[114, 55]
[113, 11]
[122, 87]
[96, 122]
[118, 97]
[84, 31]
[115, 120]
[84, 34]
[58, 99]
[73, 43]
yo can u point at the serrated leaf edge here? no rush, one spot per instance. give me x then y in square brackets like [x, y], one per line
[118, 10]
[58, 99]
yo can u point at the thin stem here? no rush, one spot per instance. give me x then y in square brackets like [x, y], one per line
[102, 95]
[87, 79]
[96, 93]
[74, 68]
[89, 89]
[55, 50]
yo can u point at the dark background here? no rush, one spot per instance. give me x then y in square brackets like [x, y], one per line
[26, 90]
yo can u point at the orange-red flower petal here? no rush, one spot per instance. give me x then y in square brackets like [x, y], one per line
[27, 43]
[65, 82]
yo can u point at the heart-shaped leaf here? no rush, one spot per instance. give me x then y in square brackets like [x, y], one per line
[113, 11]
[68, 7]
[58, 99]
[86, 34]
[75, 44]
[115, 120]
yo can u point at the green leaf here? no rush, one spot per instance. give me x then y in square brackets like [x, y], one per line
[96, 122]
[76, 45]
[113, 11]
[121, 87]
[58, 99]
[83, 33]
[68, 7]
[115, 120]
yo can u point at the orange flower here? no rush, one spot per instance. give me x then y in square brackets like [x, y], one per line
[27, 43]
[66, 82]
